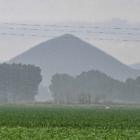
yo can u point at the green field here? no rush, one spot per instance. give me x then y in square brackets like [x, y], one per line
[68, 123]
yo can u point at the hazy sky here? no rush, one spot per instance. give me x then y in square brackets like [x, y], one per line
[103, 13]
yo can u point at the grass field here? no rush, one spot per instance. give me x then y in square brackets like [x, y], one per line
[25, 122]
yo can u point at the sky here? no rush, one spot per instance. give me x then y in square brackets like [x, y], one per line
[106, 14]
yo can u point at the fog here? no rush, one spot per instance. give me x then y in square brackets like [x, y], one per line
[69, 51]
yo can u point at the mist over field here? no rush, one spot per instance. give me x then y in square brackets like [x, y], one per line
[69, 70]
[70, 55]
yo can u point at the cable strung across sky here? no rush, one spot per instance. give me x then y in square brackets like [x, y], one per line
[90, 32]
[34, 35]
[66, 26]
[58, 28]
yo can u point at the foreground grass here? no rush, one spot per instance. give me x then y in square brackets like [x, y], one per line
[32, 117]
[67, 134]
[68, 123]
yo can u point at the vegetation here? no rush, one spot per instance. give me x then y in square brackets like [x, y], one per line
[93, 85]
[19, 82]
[58, 123]
[54, 121]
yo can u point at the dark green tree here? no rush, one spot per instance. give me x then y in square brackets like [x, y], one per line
[61, 87]
[98, 84]
[19, 82]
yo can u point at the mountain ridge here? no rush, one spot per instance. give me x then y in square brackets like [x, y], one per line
[135, 66]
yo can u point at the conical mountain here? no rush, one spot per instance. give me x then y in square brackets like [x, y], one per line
[69, 54]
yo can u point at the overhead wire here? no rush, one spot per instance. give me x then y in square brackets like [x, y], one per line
[34, 35]
[89, 32]
[68, 26]
[72, 31]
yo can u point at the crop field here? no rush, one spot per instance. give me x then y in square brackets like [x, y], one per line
[68, 123]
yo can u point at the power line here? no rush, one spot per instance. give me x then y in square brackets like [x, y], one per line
[34, 35]
[90, 32]
[67, 26]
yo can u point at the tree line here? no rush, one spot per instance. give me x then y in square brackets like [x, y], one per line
[19, 82]
[93, 84]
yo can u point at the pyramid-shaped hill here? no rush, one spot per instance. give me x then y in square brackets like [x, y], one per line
[69, 54]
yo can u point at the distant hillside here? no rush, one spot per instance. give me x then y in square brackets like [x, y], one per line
[69, 54]
[135, 66]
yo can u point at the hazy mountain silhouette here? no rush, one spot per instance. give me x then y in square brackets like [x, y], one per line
[135, 66]
[69, 54]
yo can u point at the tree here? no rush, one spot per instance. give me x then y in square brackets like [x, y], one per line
[19, 82]
[98, 84]
[61, 86]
